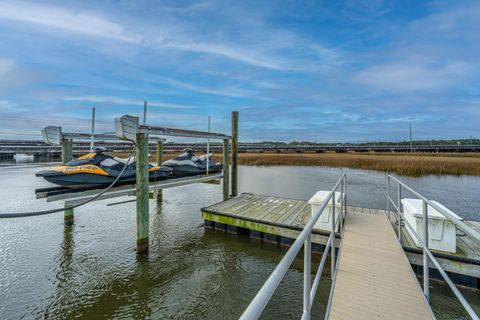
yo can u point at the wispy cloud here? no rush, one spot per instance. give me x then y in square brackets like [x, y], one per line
[127, 102]
[300, 71]
[64, 19]
[411, 76]
[224, 91]
[95, 25]
[6, 65]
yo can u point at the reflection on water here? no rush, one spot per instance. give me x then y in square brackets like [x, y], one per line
[91, 270]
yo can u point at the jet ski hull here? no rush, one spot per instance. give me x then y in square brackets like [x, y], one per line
[188, 164]
[87, 180]
[186, 170]
[98, 170]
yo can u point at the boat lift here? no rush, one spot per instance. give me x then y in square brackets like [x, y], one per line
[128, 128]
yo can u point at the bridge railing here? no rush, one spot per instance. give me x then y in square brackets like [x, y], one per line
[427, 254]
[256, 306]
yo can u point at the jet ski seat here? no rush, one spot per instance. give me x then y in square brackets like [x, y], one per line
[125, 160]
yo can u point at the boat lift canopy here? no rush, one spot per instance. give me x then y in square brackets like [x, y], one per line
[53, 135]
[127, 127]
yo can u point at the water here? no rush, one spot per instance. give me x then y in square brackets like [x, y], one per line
[92, 271]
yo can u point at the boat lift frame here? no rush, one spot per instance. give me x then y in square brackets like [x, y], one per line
[127, 128]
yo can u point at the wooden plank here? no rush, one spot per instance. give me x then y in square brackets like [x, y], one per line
[292, 210]
[262, 208]
[374, 279]
[304, 210]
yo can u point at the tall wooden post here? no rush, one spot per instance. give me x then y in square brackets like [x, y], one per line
[159, 163]
[67, 156]
[142, 193]
[234, 152]
[226, 170]
[67, 150]
[159, 153]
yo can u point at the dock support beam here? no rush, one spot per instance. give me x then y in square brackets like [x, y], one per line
[226, 171]
[234, 152]
[159, 163]
[142, 193]
[67, 156]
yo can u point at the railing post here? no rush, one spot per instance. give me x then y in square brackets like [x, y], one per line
[307, 273]
[399, 220]
[341, 206]
[142, 193]
[345, 196]
[426, 280]
[226, 170]
[333, 230]
[388, 197]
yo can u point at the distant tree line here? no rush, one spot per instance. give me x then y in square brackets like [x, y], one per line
[388, 143]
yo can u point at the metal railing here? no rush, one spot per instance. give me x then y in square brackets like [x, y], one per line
[427, 254]
[256, 306]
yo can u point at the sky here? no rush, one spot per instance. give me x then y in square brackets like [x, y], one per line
[325, 71]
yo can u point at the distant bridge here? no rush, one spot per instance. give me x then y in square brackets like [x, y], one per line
[41, 150]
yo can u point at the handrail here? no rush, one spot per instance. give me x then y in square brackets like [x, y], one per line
[256, 306]
[426, 251]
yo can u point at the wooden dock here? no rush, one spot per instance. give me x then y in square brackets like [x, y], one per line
[374, 278]
[280, 220]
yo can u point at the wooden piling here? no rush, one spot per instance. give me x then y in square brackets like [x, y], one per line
[67, 156]
[159, 153]
[234, 152]
[68, 217]
[142, 193]
[159, 163]
[67, 150]
[226, 170]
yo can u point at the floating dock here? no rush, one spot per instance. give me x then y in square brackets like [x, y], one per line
[280, 220]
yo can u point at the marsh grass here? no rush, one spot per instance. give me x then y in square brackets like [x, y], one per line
[403, 164]
[415, 164]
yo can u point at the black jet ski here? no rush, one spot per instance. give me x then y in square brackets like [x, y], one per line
[98, 169]
[188, 164]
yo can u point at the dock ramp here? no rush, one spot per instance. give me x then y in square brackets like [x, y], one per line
[374, 278]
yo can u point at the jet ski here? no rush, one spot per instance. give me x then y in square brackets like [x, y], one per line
[188, 164]
[98, 169]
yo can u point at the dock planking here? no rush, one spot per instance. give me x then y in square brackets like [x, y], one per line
[285, 218]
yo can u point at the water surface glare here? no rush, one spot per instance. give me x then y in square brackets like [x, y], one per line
[92, 271]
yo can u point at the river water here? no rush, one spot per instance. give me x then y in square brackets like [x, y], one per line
[91, 270]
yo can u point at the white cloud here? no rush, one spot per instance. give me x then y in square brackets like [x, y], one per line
[6, 65]
[130, 102]
[228, 91]
[64, 19]
[259, 53]
[7, 106]
[411, 76]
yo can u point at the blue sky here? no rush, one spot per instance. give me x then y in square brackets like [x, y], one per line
[295, 70]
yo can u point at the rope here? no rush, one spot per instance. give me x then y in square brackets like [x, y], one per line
[44, 212]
